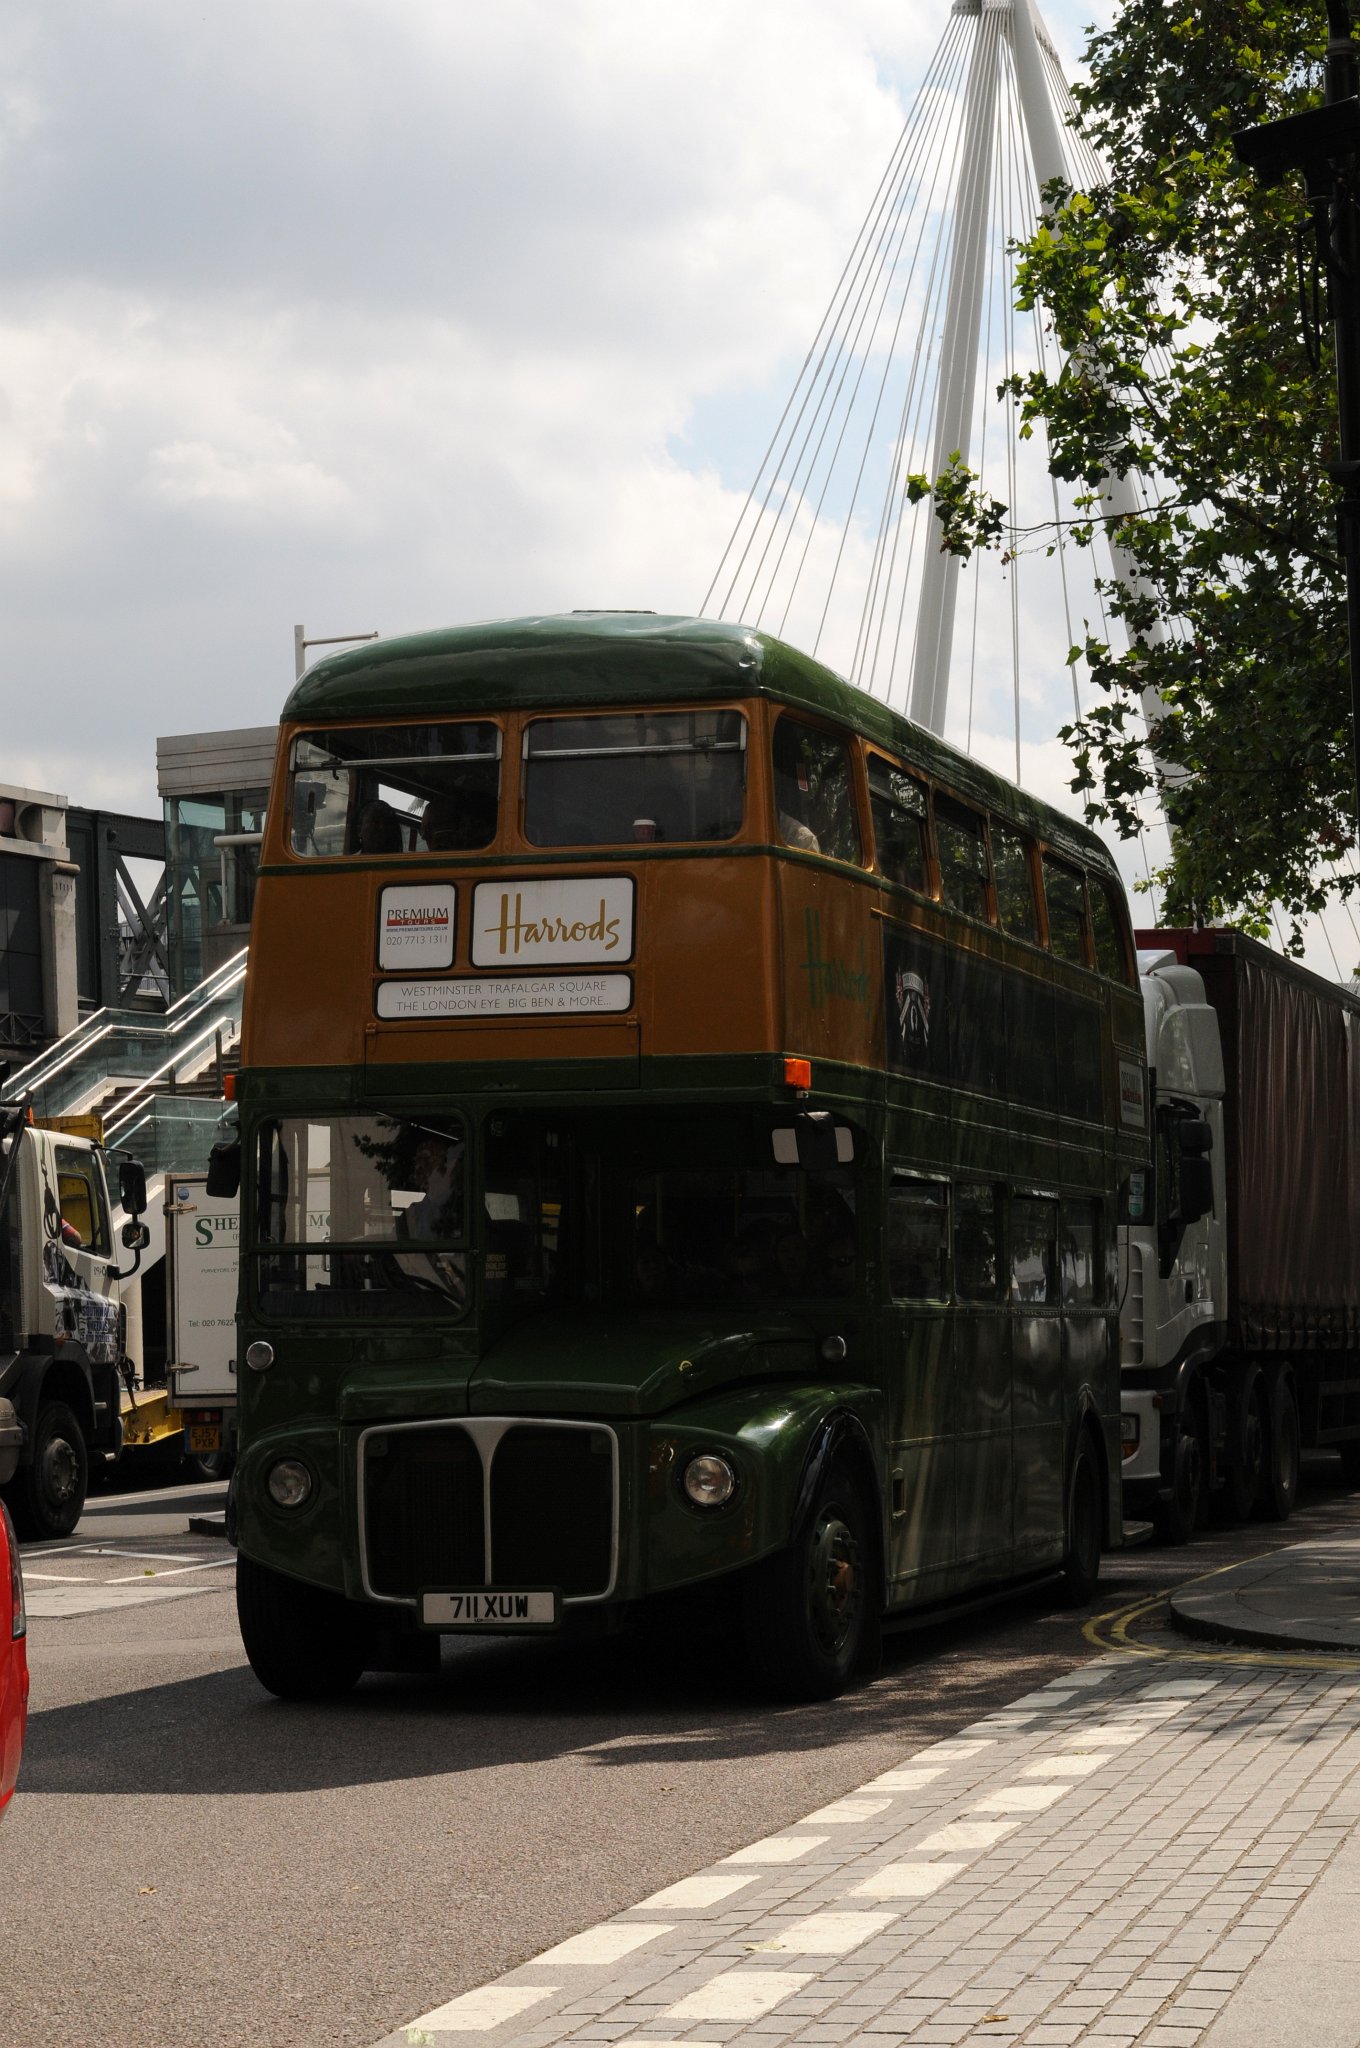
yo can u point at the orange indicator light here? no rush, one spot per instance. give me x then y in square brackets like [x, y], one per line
[797, 1073]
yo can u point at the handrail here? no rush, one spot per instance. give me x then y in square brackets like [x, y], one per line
[131, 1103]
[39, 1073]
[88, 1059]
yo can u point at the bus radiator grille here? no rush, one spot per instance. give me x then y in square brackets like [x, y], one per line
[423, 1513]
[552, 1510]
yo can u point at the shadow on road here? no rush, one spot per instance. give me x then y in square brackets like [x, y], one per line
[619, 1702]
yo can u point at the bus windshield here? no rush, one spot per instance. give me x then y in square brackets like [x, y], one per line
[353, 1211]
[606, 781]
[380, 789]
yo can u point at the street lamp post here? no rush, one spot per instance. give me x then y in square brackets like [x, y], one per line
[1324, 143]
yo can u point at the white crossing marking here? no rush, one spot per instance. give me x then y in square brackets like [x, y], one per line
[1180, 1689]
[704, 1890]
[831, 1934]
[1075, 1766]
[62, 1603]
[776, 1849]
[842, 1812]
[969, 1834]
[908, 1780]
[956, 1752]
[739, 1994]
[607, 1943]
[474, 2011]
[1019, 1799]
[906, 1880]
[1107, 1734]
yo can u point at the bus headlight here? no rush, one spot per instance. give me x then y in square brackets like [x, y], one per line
[709, 1480]
[289, 1483]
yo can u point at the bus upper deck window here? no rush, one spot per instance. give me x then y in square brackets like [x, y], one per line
[1014, 884]
[396, 789]
[962, 843]
[1107, 929]
[897, 804]
[620, 777]
[1065, 892]
[814, 791]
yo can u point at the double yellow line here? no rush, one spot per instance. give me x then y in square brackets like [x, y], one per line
[1112, 1631]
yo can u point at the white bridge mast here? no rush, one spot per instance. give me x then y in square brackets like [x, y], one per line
[1020, 23]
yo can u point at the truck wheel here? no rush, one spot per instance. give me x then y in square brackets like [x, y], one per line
[1081, 1557]
[1282, 1452]
[808, 1608]
[47, 1496]
[1350, 1464]
[1246, 1447]
[303, 1642]
[1176, 1519]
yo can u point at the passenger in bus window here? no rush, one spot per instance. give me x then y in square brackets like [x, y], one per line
[458, 820]
[378, 831]
[814, 791]
[437, 1172]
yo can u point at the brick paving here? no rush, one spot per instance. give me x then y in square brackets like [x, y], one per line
[1105, 1860]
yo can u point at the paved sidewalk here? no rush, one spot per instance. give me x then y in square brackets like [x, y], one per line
[1111, 1859]
[1304, 1598]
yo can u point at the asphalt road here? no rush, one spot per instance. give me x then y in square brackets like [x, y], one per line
[190, 1864]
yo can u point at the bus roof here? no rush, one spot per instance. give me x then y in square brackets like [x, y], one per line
[579, 659]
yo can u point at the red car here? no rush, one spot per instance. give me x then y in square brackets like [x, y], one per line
[13, 1659]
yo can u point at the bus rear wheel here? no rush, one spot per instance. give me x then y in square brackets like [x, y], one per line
[303, 1642]
[808, 1609]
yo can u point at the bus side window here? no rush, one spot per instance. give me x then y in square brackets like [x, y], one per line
[898, 806]
[975, 1263]
[1065, 892]
[1083, 1264]
[918, 1239]
[1107, 929]
[1014, 883]
[962, 845]
[814, 791]
[1034, 1250]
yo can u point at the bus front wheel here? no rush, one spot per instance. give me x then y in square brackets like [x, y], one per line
[809, 1608]
[303, 1642]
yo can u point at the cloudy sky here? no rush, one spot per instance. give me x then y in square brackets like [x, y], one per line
[398, 313]
[393, 313]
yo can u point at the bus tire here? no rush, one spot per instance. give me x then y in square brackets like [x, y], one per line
[303, 1642]
[1280, 1480]
[1081, 1554]
[47, 1495]
[808, 1609]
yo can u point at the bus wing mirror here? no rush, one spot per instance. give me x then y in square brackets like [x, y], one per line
[132, 1186]
[224, 1169]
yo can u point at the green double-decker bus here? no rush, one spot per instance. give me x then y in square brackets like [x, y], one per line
[684, 1116]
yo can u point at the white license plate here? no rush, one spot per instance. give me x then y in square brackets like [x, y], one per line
[489, 1607]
